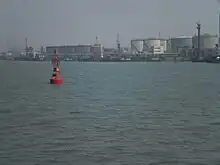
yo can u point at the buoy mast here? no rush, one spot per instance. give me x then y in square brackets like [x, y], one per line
[56, 77]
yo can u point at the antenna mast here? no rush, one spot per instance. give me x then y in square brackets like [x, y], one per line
[198, 38]
[118, 44]
[26, 47]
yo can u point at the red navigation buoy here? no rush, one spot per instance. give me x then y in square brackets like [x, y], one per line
[56, 81]
[56, 77]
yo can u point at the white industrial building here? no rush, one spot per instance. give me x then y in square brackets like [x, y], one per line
[66, 49]
[149, 45]
[95, 50]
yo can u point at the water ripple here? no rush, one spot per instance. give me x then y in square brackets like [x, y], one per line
[112, 114]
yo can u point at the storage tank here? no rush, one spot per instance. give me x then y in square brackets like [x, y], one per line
[177, 43]
[97, 50]
[207, 41]
[159, 45]
[137, 46]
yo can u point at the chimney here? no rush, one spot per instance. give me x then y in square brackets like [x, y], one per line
[219, 29]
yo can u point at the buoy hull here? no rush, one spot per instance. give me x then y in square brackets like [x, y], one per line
[56, 81]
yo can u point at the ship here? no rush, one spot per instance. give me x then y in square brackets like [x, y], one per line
[214, 59]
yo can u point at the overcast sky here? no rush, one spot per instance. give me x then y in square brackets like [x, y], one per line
[57, 22]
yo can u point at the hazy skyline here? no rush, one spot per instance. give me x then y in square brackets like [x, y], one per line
[57, 22]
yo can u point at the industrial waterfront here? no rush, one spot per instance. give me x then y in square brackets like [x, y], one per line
[200, 47]
[154, 100]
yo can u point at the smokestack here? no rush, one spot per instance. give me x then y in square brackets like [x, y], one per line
[219, 29]
[26, 47]
[198, 38]
[218, 25]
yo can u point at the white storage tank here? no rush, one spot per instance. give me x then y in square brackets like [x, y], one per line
[207, 41]
[97, 50]
[175, 44]
[158, 45]
[137, 46]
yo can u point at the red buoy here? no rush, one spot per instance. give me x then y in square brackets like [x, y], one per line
[56, 81]
[56, 77]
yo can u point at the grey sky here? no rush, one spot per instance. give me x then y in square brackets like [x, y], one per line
[55, 22]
